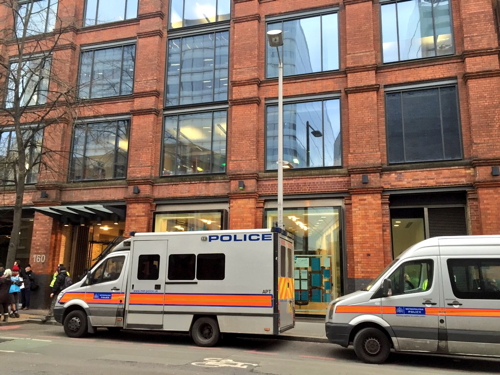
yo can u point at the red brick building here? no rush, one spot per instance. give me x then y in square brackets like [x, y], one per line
[391, 124]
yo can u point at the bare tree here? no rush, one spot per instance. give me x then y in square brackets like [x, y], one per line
[35, 97]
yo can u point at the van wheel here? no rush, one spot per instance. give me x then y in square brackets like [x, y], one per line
[205, 332]
[371, 345]
[75, 324]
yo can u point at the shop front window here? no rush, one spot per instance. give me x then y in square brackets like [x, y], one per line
[317, 255]
[189, 221]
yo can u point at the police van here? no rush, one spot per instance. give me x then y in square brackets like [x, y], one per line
[439, 296]
[204, 283]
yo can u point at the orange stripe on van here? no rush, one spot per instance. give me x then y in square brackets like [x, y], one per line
[434, 311]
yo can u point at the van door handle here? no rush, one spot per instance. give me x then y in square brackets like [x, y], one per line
[455, 303]
[429, 303]
[115, 289]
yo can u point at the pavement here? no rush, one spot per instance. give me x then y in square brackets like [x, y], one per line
[311, 329]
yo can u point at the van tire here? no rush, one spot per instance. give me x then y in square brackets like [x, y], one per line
[371, 345]
[75, 324]
[205, 332]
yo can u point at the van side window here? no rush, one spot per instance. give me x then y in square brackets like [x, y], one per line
[413, 277]
[181, 266]
[148, 267]
[211, 267]
[108, 271]
[475, 278]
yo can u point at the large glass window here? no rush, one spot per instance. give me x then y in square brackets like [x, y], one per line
[197, 69]
[36, 17]
[317, 254]
[189, 221]
[197, 12]
[414, 29]
[413, 277]
[107, 72]
[109, 270]
[423, 125]
[100, 151]
[9, 155]
[31, 79]
[311, 134]
[195, 143]
[310, 45]
[103, 11]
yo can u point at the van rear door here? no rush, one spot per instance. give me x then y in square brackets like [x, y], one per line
[286, 298]
[144, 308]
[472, 303]
[413, 309]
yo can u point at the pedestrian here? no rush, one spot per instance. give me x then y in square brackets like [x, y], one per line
[58, 285]
[5, 283]
[15, 291]
[29, 285]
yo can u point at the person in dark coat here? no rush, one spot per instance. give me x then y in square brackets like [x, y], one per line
[29, 280]
[5, 297]
[57, 287]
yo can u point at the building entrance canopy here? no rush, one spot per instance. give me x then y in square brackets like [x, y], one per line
[83, 214]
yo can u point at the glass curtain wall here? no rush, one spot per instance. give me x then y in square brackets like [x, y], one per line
[318, 255]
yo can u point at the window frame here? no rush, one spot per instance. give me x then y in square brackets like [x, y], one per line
[296, 17]
[45, 59]
[401, 268]
[31, 175]
[399, 60]
[85, 9]
[87, 124]
[423, 87]
[170, 12]
[104, 266]
[94, 49]
[48, 8]
[311, 99]
[178, 114]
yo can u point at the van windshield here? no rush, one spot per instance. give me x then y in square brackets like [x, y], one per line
[374, 281]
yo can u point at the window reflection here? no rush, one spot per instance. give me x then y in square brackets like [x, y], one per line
[309, 45]
[107, 72]
[103, 11]
[9, 155]
[195, 143]
[36, 17]
[317, 254]
[197, 12]
[32, 83]
[413, 29]
[311, 134]
[100, 151]
[197, 69]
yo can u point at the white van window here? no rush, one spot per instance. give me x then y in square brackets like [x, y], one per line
[475, 278]
[412, 277]
[108, 271]
[181, 266]
[211, 267]
[148, 267]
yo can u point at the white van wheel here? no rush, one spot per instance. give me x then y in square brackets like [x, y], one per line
[205, 332]
[371, 345]
[75, 324]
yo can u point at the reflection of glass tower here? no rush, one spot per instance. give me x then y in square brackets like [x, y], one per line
[296, 54]
[428, 33]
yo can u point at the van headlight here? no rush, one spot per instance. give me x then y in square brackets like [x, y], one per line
[331, 310]
[61, 295]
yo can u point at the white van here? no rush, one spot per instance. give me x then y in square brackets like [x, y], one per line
[439, 296]
[204, 283]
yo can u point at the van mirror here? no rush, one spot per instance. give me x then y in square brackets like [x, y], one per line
[387, 288]
[89, 278]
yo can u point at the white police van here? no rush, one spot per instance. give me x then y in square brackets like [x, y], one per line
[439, 296]
[204, 283]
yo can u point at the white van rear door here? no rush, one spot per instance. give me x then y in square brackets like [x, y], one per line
[472, 303]
[413, 309]
[144, 309]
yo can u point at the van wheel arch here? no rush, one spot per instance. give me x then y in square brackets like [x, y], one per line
[75, 322]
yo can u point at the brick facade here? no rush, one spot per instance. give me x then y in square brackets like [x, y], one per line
[359, 83]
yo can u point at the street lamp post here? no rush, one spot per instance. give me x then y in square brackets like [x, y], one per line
[315, 133]
[275, 38]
